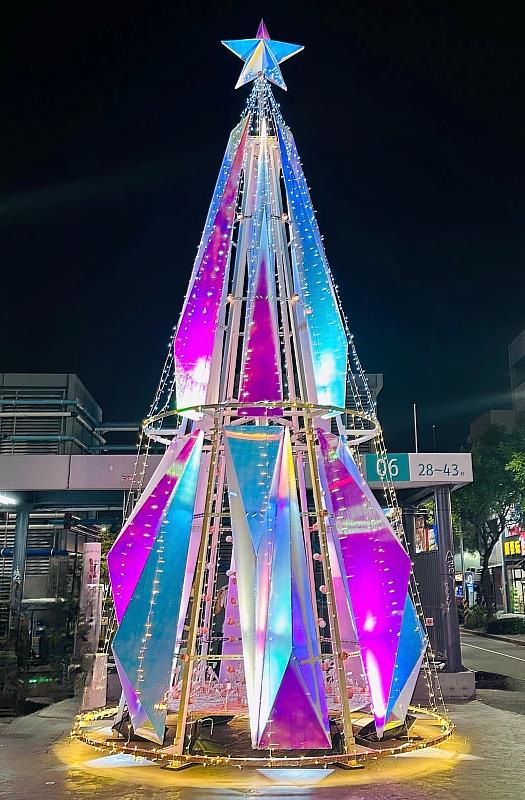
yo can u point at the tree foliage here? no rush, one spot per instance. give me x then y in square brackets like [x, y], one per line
[485, 507]
[516, 465]
[107, 539]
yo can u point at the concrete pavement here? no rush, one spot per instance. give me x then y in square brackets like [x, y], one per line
[37, 764]
[38, 761]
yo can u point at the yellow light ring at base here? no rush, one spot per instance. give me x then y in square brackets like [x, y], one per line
[257, 762]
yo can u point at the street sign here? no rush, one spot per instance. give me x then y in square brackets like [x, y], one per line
[393, 465]
[440, 467]
[411, 469]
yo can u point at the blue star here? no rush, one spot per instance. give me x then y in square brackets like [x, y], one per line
[262, 56]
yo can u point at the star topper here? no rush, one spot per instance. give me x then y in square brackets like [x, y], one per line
[262, 56]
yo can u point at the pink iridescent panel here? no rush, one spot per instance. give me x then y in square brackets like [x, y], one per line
[295, 723]
[129, 554]
[376, 567]
[195, 338]
[357, 687]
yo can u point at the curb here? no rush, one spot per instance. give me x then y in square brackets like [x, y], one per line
[497, 638]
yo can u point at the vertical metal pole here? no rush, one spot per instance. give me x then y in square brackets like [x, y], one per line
[446, 564]
[334, 623]
[18, 573]
[463, 582]
[415, 429]
[306, 525]
[409, 527]
[178, 742]
[214, 556]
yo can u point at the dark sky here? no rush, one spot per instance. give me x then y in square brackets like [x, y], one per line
[409, 117]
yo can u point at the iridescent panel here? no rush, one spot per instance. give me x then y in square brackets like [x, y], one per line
[313, 283]
[294, 708]
[241, 47]
[261, 374]
[375, 565]
[408, 663]
[250, 460]
[131, 550]
[279, 637]
[197, 329]
[144, 645]
[358, 691]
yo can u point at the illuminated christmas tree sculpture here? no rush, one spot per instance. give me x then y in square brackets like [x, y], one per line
[256, 574]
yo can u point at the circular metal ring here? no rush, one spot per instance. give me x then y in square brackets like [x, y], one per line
[85, 729]
[282, 410]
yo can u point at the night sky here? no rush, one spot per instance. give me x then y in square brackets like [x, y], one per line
[409, 117]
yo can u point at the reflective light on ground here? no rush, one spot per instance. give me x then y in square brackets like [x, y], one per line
[296, 777]
[119, 760]
[127, 771]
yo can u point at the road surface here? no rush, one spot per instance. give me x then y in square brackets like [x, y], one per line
[492, 655]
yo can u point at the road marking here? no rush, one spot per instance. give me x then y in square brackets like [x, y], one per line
[494, 652]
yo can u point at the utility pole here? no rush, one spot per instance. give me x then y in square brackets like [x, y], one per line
[446, 569]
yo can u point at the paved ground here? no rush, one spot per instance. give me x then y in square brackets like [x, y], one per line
[485, 757]
[33, 769]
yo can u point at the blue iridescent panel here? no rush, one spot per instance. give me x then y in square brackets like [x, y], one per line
[144, 645]
[408, 661]
[283, 50]
[241, 47]
[314, 284]
[252, 460]
[286, 696]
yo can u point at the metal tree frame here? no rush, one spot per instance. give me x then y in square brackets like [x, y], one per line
[300, 417]
[262, 362]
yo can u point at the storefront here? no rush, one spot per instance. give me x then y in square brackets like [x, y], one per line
[514, 554]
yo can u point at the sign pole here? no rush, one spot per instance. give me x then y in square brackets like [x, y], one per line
[446, 564]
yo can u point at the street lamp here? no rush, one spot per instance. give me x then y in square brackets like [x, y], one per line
[5, 500]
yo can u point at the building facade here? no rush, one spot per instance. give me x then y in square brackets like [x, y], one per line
[52, 505]
[517, 372]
